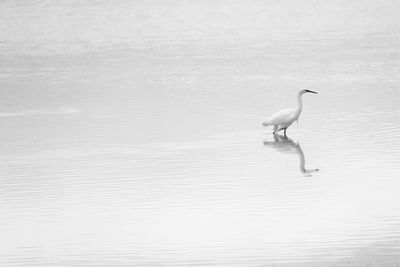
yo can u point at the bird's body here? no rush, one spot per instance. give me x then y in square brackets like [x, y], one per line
[282, 119]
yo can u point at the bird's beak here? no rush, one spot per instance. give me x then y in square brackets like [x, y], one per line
[309, 91]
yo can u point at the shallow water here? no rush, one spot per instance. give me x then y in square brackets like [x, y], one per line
[131, 134]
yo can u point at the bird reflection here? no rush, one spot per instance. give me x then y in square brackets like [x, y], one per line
[286, 145]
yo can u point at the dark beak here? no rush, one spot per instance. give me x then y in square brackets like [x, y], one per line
[309, 91]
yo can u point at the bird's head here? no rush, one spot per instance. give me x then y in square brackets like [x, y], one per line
[303, 91]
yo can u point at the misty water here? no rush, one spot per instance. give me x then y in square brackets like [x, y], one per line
[130, 133]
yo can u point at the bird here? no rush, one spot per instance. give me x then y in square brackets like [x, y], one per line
[282, 119]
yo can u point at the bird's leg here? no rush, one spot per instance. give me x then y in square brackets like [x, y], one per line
[275, 128]
[284, 132]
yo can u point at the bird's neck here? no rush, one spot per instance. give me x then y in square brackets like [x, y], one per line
[299, 103]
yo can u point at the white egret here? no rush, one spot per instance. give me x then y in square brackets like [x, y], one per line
[284, 118]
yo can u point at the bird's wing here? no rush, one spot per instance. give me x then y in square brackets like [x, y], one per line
[282, 117]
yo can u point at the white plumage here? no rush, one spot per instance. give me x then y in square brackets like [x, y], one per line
[282, 119]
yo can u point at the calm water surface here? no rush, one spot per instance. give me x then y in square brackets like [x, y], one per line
[131, 133]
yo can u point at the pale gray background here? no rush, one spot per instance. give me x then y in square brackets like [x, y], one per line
[130, 133]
